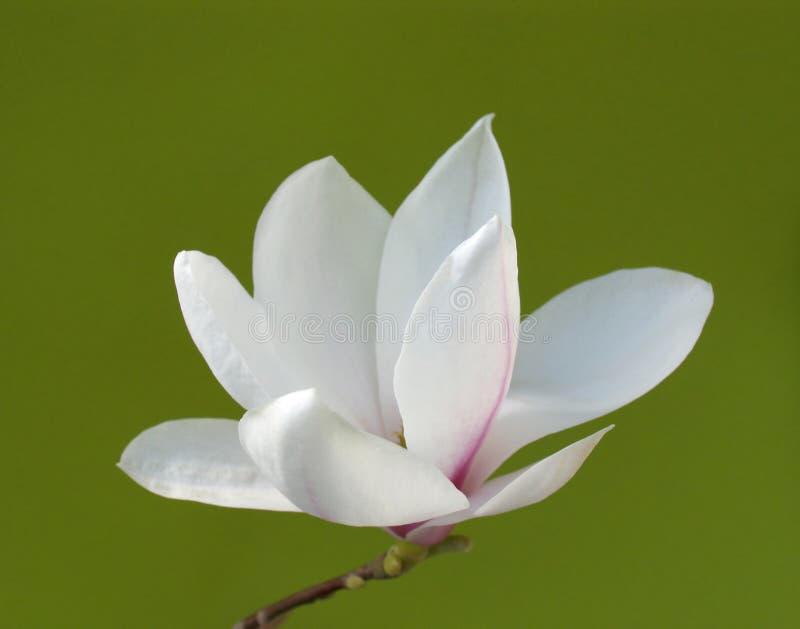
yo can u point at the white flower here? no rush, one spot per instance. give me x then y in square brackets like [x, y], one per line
[326, 415]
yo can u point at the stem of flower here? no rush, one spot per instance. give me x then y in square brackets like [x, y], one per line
[398, 560]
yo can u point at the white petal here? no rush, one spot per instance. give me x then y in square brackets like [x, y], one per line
[598, 346]
[518, 423]
[463, 190]
[333, 470]
[219, 313]
[317, 253]
[610, 340]
[523, 487]
[200, 460]
[453, 374]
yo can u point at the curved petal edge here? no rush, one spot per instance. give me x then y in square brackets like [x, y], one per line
[200, 460]
[218, 313]
[338, 472]
[524, 487]
[465, 188]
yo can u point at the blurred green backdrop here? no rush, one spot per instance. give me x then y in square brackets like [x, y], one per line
[661, 133]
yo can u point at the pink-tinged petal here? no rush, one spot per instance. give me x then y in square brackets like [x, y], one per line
[463, 190]
[333, 470]
[200, 460]
[316, 258]
[517, 424]
[593, 348]
[423, 535]
[521, 488]
[219, 313]
[455, 366]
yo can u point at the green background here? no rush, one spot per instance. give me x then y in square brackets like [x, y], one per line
[655, 133]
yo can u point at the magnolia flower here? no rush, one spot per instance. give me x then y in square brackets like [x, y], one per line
[403, 431]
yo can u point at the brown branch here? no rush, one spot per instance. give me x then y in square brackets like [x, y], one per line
[395, 562]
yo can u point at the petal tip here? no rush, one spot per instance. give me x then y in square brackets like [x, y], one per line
[486, 120]
[327, 164]
[189, 257]
[709, 290]
[460, 501]
[703, 291]
[324, 168]
[482, 129]
[328, 160]
[181, 259]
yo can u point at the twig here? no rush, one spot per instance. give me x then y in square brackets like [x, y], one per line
[395, 562]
